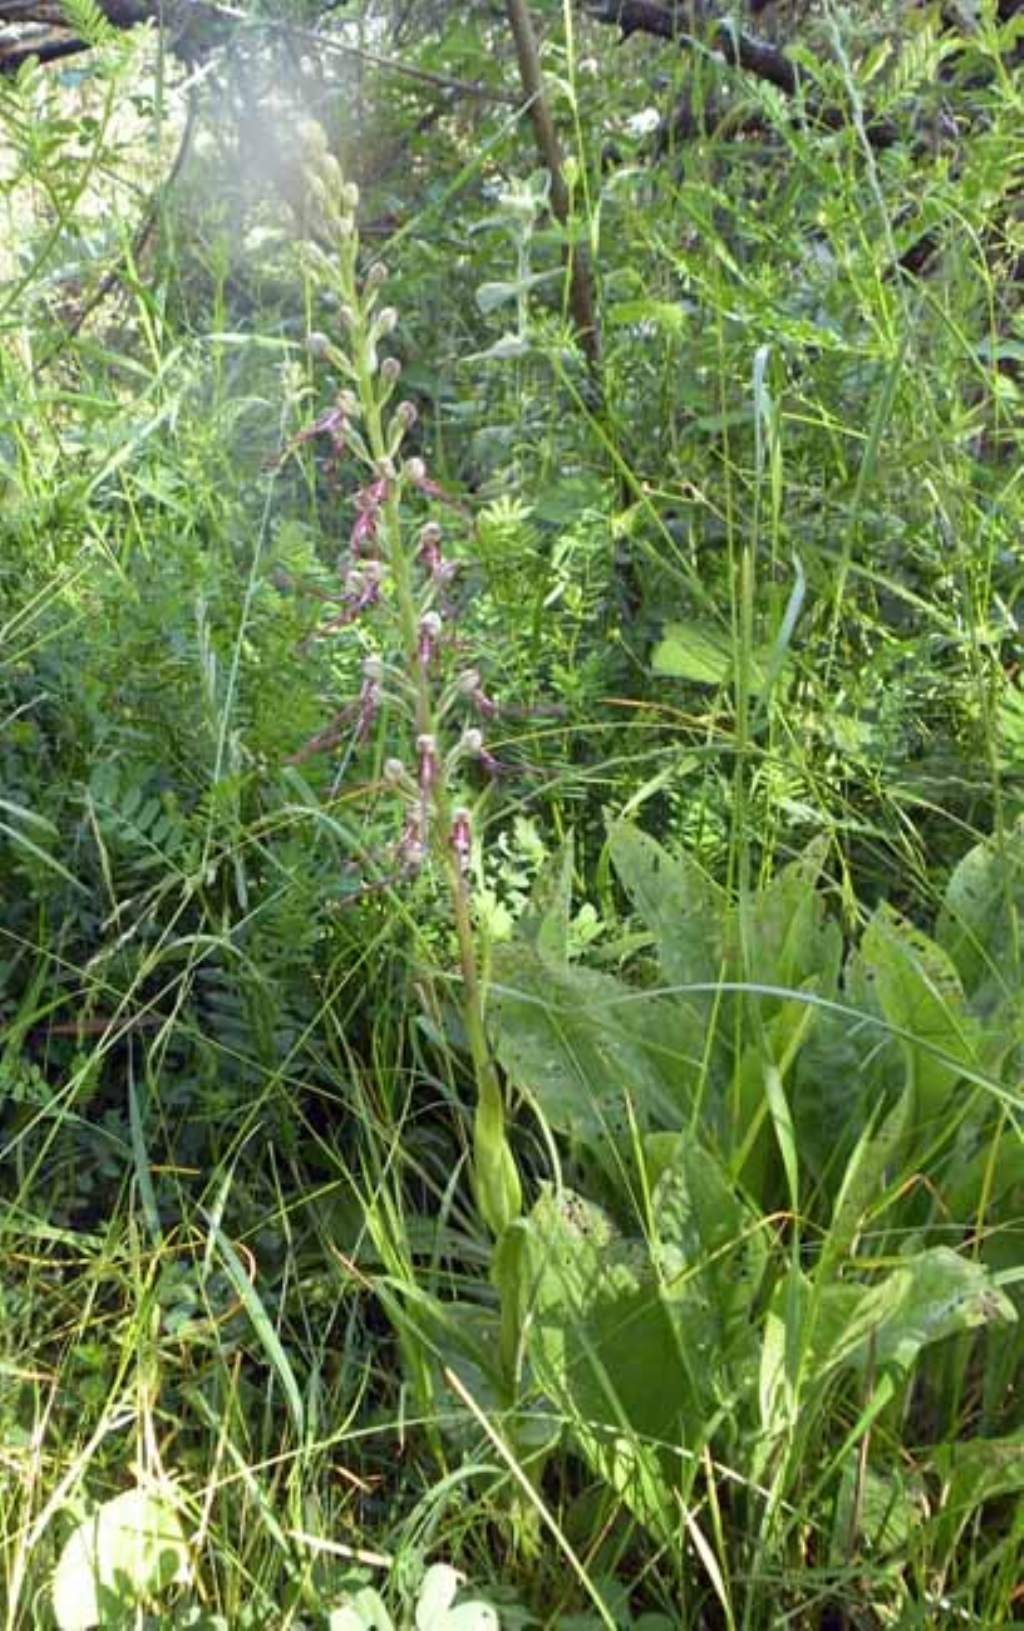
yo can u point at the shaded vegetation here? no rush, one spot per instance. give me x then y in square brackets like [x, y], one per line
[511, 784]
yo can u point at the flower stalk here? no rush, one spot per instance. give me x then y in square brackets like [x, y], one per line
[391, 571]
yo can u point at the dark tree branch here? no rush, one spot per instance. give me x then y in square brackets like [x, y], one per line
[193, 27]
[686, 22]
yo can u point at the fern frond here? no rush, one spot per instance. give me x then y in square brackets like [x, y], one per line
[88, 22]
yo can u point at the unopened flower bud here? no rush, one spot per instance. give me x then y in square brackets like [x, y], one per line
[426, 745]
[415, 469]
[317, 194]
[390, 369]
[430, 534]
[394, 772]
[430, 625]
[330, 169]
[348, 316]
[413, 852]
[317, 344]
[387, 320]
[349, 404]
[472, 740]
[462, 837]
[406, 414]
[377, 275]
[350, 196]
[468, 681]
[312, 137]
[373, 669]
[364, 577]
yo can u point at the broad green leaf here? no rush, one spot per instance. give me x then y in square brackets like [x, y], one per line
[684, 910]
[757, 1116]
[599, 1324]
[362, 1610]
[971, 1472]
[436, 1609]
[508, 347]
[668, 315]
[593, 1050]
[872, 1164]
[792, 943]
[803, 1330]
[842, 1073]
[920, 993]
[705, 656]
[547, 919]
[786, 1340]
[606, 1312]
[437, 1594]
[470, 1616]
[782, 1122]
[130, 1549]
[489, 296]
[599, 1329]
[705, 1233]
[642, 1474]
[994, 1171]
[776, 1398]
[875, 1509]
[981, 923]
[930, 1296]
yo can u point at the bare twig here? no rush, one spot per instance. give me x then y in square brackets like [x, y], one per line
[581, 283]
[187, 18]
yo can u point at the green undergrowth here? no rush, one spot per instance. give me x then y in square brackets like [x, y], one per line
[728, 742]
